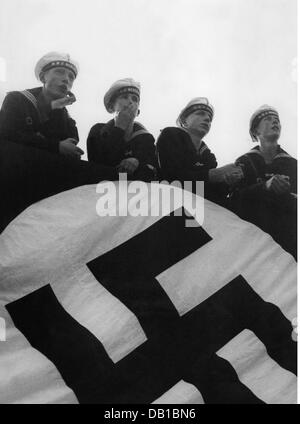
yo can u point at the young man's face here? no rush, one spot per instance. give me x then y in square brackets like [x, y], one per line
[126, 99]
[199, 121]
[269, 128]
[58, 82]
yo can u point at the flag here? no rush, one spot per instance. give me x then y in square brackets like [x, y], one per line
[143, 308]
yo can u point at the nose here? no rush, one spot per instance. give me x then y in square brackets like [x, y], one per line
[66, 79]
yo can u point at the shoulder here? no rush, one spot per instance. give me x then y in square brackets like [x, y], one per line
[174, 130]
[23, 96]
[173, 133]
[96, 129]
[138, 126]
[13, 95]
[95, 134]
[141, 133]
[204, 148]
[94, 137]
[251, 154]
[36, 91]
[282, 154]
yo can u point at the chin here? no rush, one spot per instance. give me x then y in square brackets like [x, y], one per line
[274, 138]
[202, 133]
[58, 95]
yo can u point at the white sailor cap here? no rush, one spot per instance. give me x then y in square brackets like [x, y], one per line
[54, 60]
[125, 85]
[197, 103]
[260, 113]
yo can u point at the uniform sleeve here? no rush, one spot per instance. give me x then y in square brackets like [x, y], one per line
[72, 128]
[105, 148]
[253, 191]
[171, 154]
[293, 176]
[93, 151]
[145, 150]
[60, 126]
[252, 185]
[63, 125]
[250, 170]
[209, 159]
[12, 126]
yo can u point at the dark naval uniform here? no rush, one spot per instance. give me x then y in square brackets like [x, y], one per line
[21, 122]
[179, 160]
[106, 145]
[275, 214]
[257, 171]
[30, 166]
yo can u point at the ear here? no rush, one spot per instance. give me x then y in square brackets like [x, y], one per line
[183, 123]
[254, 136]
[42, 77]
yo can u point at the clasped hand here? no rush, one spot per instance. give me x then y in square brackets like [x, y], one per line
[230, 174]
[128, 165]
[279, 184]
[68, 147]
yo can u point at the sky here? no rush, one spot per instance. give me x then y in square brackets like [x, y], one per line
[239, 54]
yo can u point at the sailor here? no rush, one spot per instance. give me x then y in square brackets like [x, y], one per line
[267, 195]
[267, 167]
[122, 142]
[38, 117]
[184, 156]
[39, 156]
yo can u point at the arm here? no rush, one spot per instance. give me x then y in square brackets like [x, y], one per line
[253, 184]
[13, 125]
[257, 184]
[144, 150]
[72, 129]
[293, 176]
[60, 126]
[253, 191]
[105, 148]
[209, 159]
[171, 152]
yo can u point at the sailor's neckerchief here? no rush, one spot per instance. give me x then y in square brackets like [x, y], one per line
[280, 153]
[256, 152]
[202, 146]
[138, 129]
[33, 99]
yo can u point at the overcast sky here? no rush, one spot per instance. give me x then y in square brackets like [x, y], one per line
[238, 53]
